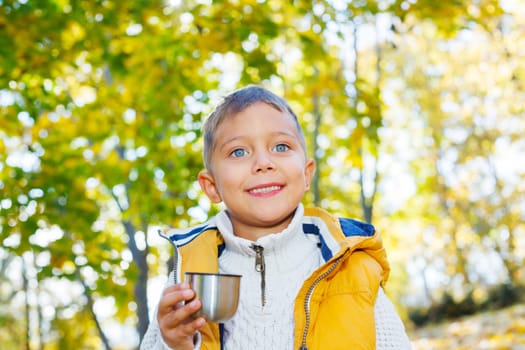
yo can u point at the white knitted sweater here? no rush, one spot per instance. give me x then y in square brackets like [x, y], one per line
[290, 257]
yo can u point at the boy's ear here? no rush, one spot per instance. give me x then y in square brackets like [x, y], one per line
[208, 186]
[309, 170]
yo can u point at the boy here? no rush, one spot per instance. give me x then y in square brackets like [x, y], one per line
[310, 280]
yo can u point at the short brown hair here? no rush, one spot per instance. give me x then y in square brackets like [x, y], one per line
[235, 103]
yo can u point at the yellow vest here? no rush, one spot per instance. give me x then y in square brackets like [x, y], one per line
[334, 309]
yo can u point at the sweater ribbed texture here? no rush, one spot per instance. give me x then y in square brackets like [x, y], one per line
[290, 257]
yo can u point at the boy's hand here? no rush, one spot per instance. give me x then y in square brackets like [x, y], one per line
[176, 324]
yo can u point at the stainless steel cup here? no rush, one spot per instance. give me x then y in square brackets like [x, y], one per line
[219, 294]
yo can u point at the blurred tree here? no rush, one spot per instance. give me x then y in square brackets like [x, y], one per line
[102, 104]
[468, 194]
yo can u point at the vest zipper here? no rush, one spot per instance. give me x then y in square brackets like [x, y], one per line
[308, 297]
[260, 267]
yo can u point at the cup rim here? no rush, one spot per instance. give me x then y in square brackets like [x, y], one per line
[211, 274]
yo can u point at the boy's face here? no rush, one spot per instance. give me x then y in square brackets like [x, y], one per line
[258, 169]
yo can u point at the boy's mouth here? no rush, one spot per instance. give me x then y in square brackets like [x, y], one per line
[267, 189]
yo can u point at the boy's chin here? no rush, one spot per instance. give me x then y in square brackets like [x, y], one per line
[275, 219]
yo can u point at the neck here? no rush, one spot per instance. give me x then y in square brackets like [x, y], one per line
[251, 232]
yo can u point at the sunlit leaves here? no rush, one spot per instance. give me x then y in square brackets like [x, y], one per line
[102, 104]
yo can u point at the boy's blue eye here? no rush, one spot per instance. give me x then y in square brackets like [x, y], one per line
[281, 147]
[239, 152]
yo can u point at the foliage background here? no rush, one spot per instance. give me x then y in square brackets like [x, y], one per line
[413, 109]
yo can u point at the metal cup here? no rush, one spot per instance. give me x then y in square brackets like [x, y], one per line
[218, 293]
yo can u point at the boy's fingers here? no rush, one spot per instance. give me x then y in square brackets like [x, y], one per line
[189, 328]
[179, 326]
[175, 315]
[176, 287]
[173, 297]
[184, 334]
[182, 315]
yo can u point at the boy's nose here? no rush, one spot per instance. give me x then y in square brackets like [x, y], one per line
[263, 162]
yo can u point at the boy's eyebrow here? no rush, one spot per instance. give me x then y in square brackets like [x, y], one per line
[221, 145]
[275, 133]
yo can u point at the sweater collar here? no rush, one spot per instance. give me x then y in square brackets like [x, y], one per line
[271, 242]
[331, 233]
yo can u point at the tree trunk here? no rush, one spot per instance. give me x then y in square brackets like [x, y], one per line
[315, 153]
[90, 305]
[140, 289]
[367, 204]
[27, 311]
